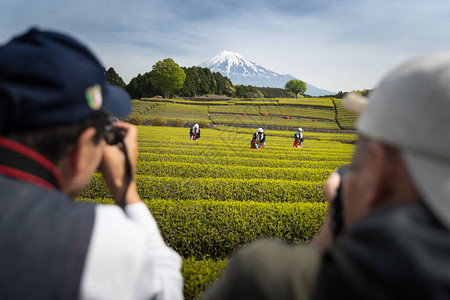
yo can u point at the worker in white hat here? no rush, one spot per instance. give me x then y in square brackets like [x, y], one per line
[258, 139]
[387, 235]
[194, 132]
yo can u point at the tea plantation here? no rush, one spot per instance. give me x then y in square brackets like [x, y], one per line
[212, 196]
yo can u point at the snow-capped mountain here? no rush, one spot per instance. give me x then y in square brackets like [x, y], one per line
[242, 71]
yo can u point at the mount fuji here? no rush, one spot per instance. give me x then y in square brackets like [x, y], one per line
[242, 71]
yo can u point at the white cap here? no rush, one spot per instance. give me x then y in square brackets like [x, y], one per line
[196, 126]
[300, 129]
[416, 95]
[260, 130]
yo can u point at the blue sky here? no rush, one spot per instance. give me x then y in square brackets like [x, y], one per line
[334, 45]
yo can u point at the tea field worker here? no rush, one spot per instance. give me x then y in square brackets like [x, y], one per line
[298, 138]
[55, 133]
[194, 132]
[393, 210]
[258, 139]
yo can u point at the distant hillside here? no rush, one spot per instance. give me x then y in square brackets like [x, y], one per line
[312, 114]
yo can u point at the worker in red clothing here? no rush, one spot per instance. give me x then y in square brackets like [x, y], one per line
[194, 132]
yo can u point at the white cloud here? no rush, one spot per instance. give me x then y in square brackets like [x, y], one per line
[335, 45]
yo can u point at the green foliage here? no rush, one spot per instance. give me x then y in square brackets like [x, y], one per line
[141, 86]
[325, 102]
[201, 81]
[300, 112]
[179, 122]
[159, 121]
[189, 113]
[215, 195]
[215, 229]
[114, 79]
[341, 94]
[269, 92]
[346, 118]
[211, 229]
[247, 91]
[295, 86]
[274, 122]
[198, 274]
[210, 170]
[204, 124]
[221, 189]
[135, 120]
[167, 76]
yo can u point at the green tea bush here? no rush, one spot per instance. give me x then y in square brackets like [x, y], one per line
[204, 229]
[259, 190]
[238, 161]
[180, 122]
[215, 229]
[159, 121]
[198, 274]
[204, 124]
[236, 153]
[207, 169]
[346, 118]
[135, 120]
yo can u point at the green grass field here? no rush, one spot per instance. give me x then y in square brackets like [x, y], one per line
[211, 196]
[312, 114]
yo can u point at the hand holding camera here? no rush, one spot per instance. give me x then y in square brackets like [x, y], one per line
[119, 161]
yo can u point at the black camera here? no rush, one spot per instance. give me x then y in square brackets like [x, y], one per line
[111, 134]
[337, 214]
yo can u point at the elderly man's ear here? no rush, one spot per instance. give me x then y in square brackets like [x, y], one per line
[391, 183]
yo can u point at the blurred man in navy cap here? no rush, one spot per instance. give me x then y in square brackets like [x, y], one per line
[56, 130]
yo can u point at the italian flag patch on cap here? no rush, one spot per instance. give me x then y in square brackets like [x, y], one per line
[94, 97]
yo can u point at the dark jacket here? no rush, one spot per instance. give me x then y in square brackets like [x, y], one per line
[44, 235]
[257, 139]
[396, 253]
[191, 133]
[298, 136]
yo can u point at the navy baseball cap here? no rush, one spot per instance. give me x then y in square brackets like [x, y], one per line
[49, 79]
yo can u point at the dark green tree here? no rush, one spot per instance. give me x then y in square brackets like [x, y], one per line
[190, 83]
[113, 78]
[295, 86]
[141, 86]
[167, 76]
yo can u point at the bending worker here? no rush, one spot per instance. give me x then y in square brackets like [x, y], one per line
[258, 139]
[194, 132]
[56, 131]
[298, 138]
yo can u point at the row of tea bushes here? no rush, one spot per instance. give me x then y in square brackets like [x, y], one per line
[242, 161]
[199, 170]
[266, 153]
[221, 189]
[198, 274]
[207, 201]
[239, 120]
[346, 118]
[214, 229]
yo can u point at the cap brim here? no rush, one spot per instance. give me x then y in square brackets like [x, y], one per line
[432, 178]
[355, 102]
[116, 101]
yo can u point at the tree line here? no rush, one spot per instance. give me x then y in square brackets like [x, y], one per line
[168, 79]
